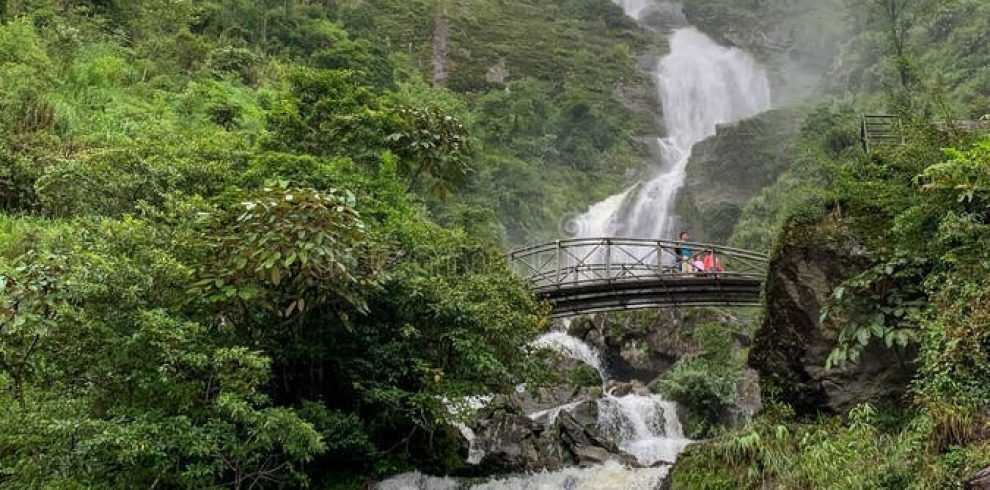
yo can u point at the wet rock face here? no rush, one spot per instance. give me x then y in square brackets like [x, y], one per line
[548, 397]
[512, 442]
[790, 348]
[763, 36]
[732, 167]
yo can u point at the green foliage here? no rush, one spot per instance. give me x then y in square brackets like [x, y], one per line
[226, 270]
[113, 183]
[288, 249]
[17, 177]
[884, 302]
[705, 385]
[964, 173]
[434, 144]
[329, 113]
[921, 213]
[862, 451]
[164, 399]
[828, 135]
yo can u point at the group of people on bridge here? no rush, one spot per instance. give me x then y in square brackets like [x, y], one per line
[690, 262]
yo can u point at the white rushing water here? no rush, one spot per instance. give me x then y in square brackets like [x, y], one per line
[573, 348]
[701, 84]
[610, 475]
[633, 8]
[646, 426]
[607, 476]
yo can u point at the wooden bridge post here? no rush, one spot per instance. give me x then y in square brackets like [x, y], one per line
[659, 258]
[559, 256]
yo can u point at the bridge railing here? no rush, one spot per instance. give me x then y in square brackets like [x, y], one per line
[579, 261]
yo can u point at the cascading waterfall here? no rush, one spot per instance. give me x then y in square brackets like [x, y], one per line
[701, 84]
[646, 426]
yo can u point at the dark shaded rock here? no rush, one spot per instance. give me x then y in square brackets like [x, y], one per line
[790, 348]
[586, 414]
[979, 481]
[644, 345]
[592, 455]
[763, 35]
[585, 442]
[634, 387]
[546, 397]
[514, 443]
[573, 433]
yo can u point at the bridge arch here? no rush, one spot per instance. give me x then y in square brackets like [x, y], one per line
[590, 275]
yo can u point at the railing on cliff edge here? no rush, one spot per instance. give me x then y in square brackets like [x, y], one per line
[886, 130]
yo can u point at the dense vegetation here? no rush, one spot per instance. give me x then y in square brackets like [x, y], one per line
[258, 243]
[250, 243]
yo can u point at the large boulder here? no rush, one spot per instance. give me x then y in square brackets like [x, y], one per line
[540, 398]
[512, 442]
[790, 348]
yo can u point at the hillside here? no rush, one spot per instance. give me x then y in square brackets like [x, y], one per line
[261, 244]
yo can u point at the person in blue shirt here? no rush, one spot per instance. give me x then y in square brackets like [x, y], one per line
[684, 253]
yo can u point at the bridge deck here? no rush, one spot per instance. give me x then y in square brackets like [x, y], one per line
[584, 276]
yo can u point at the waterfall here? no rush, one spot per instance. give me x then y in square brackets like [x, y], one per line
[645, 426]
[701, 84]
[633, 8]
[571, 347]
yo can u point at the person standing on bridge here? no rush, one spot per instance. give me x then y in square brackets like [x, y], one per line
[684, 253]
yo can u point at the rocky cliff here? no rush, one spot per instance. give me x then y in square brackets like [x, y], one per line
[729, 169]
[790, 348]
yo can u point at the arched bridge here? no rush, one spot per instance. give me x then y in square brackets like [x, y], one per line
[590, 275]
